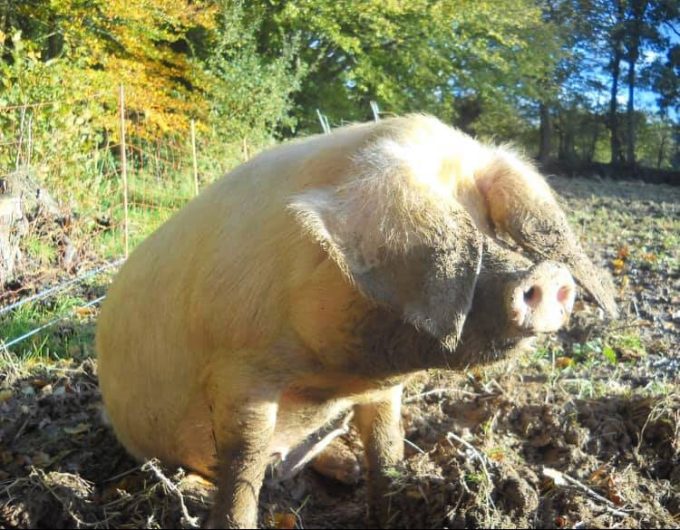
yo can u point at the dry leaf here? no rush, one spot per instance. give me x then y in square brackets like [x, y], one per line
[623, 252]
[564, 362]
[41, 459]
[85, 311]
[284, 521]
[618, 265]
[5, 395]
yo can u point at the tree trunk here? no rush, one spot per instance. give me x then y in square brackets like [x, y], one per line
[617, 37]
[661, 151]
[593, 142]
[635, 35]
[630, 114]
[616, 157]
[545, 146]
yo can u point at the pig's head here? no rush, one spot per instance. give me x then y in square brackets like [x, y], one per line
[452, 300]
[511, 300]
[418, 255]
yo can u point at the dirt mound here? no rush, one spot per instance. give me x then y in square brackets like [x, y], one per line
[479, 454]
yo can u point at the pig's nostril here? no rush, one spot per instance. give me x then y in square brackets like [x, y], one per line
[563, 294]
[532, 296]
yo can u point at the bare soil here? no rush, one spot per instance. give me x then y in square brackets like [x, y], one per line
[583, 433]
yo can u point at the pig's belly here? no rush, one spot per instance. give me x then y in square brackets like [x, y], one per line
[302, 430]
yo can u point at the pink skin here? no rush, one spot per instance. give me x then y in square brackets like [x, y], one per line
[543, 301]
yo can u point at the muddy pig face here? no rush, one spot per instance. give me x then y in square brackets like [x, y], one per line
[512, 300]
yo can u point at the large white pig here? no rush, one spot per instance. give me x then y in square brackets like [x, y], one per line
[313, 280]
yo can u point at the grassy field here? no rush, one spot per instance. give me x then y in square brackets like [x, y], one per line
[584, 432]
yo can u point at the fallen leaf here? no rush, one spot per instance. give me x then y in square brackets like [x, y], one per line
[618, 265]
[85, 311]
[497, 455]
[564, 362]
[39, 383]
[5, 395]
[284, 521]
[6, 458]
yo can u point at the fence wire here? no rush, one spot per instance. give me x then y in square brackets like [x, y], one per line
[62, 148]
[35, 331]
[59, 288]
[65, 151]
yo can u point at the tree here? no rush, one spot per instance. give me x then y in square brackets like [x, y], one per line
[616, 38]
[642, 23]
[417, 55]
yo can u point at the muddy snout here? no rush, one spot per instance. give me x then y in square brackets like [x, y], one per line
[542, 301]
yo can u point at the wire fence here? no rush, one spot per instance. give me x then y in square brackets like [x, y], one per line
[90, 183]
[82, 182]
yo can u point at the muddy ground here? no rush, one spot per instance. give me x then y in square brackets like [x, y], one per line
[585, 432]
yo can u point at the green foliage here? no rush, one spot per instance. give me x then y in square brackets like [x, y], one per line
[408, 56]
[246, 71]
[249, 93]
[609, 354]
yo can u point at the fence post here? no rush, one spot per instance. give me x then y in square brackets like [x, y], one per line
[193, 152]
[376, 110]
[123, 162]
[323, 120]
[244, 149]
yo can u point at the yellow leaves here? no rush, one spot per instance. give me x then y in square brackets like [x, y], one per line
[640, 257]
[650, 258]
[84, 312]
[497, 454]
[564, 362]
[618, 265]
[619, 262]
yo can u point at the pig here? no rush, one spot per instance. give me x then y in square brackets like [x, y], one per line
[311, 282]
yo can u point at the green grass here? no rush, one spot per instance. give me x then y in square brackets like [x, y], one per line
[68, 338]
[151, 202]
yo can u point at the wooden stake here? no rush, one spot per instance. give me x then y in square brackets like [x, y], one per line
[123, 162]
[193, 152]
[244, 148]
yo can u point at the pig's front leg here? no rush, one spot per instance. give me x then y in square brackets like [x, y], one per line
[379, 425]
[243, 431]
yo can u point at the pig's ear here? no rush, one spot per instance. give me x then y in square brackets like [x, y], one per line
[428, 276]
[521, 204]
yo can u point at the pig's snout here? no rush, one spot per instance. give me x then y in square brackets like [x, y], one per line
[542, 301]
